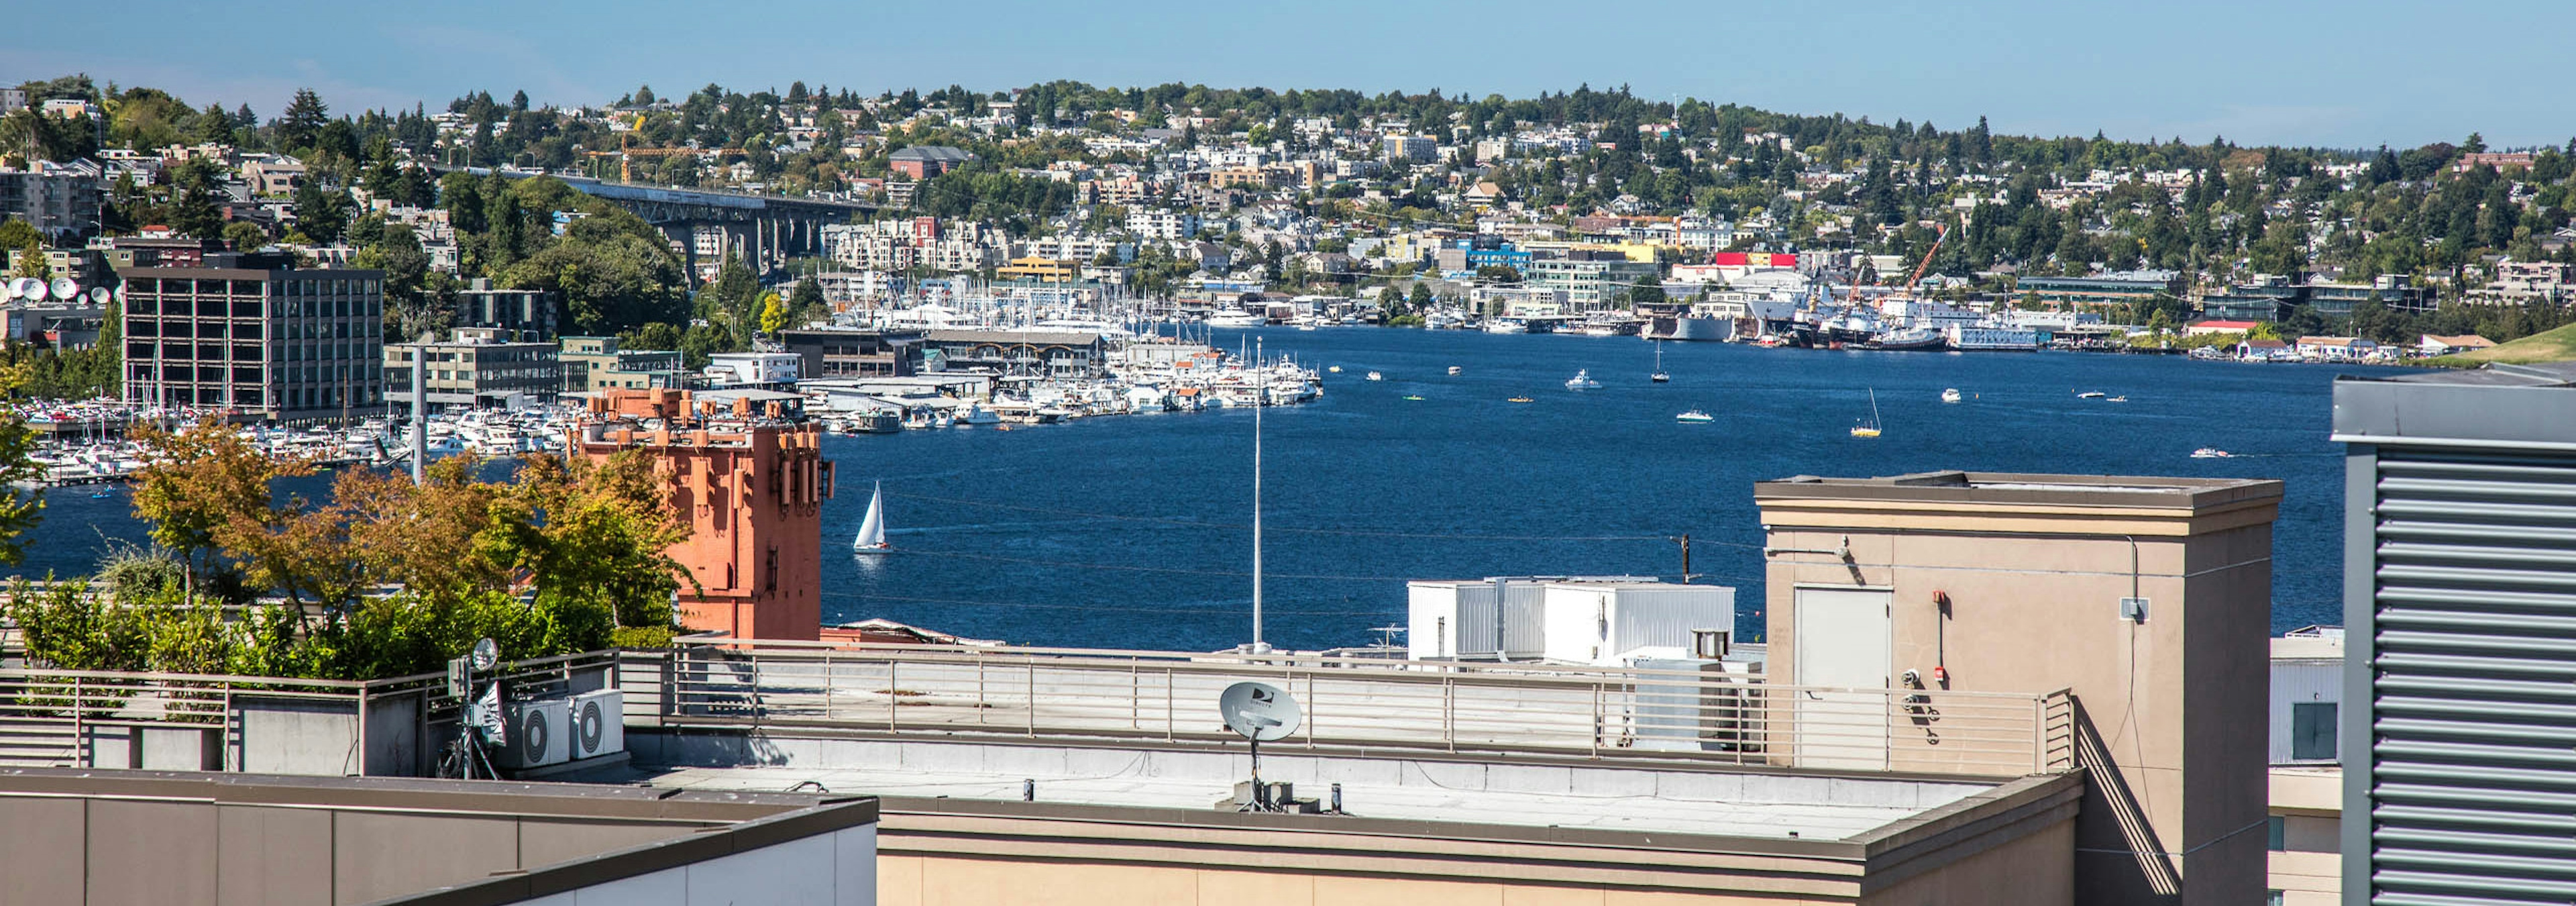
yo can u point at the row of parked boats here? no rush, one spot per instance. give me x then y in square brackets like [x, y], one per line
[87, 443]
[1195, 382]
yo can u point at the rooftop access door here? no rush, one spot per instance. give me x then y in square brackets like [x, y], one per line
[1842, 644]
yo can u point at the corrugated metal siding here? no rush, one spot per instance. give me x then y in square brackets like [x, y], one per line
[2474, 696]
[1664, 617]
[1524, 620]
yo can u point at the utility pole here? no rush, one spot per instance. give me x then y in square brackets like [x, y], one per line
[1687, 576]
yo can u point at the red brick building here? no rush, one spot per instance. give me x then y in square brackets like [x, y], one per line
[747, 472]
[926, 161]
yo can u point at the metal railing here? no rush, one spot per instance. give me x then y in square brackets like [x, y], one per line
[1723, 717]
[70, 717]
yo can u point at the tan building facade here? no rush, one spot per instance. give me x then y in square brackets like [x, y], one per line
[2007, 846]
[2147, 598]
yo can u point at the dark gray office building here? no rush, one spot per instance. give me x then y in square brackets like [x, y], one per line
[2459, 730]
[250, 336]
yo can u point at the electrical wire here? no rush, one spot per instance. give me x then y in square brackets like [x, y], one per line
[1194, 523]
[1166, 611]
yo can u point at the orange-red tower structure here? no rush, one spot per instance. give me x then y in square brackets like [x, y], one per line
[747, 472]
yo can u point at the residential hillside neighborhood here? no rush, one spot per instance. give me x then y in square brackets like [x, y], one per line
[709, 222]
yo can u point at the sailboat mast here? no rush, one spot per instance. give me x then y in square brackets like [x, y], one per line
[1260, 401]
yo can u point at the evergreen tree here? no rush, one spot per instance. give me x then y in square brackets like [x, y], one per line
[301, 124]
[192, 211]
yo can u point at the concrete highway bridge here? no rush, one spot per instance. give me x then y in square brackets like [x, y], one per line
[765, 230]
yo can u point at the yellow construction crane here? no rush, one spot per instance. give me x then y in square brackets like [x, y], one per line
[626, 157]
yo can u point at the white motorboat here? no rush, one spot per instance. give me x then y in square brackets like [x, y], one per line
[1582, 380]
[976, 414]
[1453, 371]
[2091, 395]
[1694, 417]
[2211, 453]
[1374, 376]
[871, 537]
[1236, 319]
[1950, 394]
[1506, 325]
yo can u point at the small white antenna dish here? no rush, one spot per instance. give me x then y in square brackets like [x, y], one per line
[65, 289]
[98, 295]
[1260, 712]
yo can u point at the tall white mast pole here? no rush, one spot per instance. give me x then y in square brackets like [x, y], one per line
[1260, 401]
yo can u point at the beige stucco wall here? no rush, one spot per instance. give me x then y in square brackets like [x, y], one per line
[2171, 711]
[2033, 869]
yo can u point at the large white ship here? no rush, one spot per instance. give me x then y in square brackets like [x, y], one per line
[1690, 329]
[1992, 338]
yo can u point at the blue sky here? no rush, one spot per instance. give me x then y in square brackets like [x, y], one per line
[2355, 73]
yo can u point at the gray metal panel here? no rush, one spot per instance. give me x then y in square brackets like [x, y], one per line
[2462, 585]
[2361, 476]
[2492, 410]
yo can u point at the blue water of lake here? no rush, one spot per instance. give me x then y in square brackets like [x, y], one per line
[1134, 531]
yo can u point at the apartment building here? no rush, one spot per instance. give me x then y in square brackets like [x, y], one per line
[1147, 223]
[596, 363]
[521, 315]
[1592, 281]
[61, 201]
[842, 352]
[1410, 149]
[477, 368]
[252, 335]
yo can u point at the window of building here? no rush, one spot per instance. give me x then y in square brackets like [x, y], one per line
[2312, 731]
[2276, 831]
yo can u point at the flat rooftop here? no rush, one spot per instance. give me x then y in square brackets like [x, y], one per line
[2500, 406]
[1599, 796]
[2008, 488]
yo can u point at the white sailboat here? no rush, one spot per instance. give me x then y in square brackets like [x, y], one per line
[871, 539]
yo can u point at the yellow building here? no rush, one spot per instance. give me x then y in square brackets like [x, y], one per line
[1043, 270]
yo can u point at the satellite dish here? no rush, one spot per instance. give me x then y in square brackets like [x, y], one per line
[1259, 711]
[28, 287]
[98, 295]
[65, 289]
[8, 289]
[486, 654]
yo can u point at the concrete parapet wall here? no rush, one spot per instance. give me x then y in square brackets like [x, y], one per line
[1041, 761]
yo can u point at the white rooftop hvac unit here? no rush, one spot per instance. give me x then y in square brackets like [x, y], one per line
[598, 723]
[1600, 621]
[538, 734]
